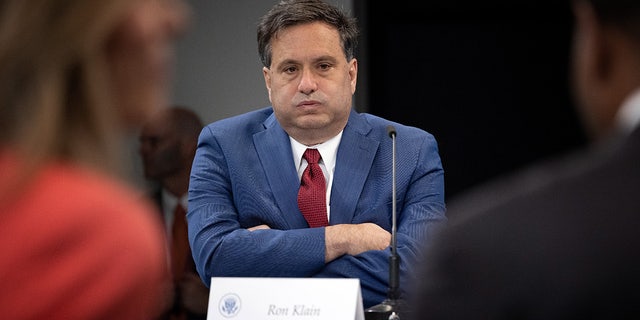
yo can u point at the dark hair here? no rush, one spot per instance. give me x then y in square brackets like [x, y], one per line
[624, 14]
[289, 13]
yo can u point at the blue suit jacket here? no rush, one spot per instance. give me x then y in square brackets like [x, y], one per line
[243, 175]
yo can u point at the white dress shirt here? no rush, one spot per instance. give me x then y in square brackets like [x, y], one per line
[328, 151]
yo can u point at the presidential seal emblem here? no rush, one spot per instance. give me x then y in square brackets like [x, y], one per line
[229, 305]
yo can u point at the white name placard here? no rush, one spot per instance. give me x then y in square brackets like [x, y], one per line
[285, 299]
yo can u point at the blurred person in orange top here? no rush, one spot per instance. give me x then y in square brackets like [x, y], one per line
[78, 76]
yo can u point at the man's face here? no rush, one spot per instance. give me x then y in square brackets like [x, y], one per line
[310, 82]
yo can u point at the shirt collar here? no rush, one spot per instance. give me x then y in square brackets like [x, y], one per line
[628, 116]
[169, 201]
[327, 149]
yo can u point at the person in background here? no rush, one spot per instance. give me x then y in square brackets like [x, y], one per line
[559, 240]
[77, 77]
[248, 210]
[167, 146]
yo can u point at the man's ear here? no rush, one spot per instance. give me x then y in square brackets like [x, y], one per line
[353, 73]
[597, 55]
[266, 73]
[600, 69]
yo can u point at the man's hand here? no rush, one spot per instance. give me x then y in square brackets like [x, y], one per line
[354, 239]
[262, 226]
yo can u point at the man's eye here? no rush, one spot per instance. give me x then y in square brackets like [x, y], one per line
[290, 69]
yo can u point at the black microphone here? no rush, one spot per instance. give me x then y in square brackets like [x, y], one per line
[392, 307]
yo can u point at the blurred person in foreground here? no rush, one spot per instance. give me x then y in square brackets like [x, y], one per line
[558, 241]
[168, 143]
[77, 77]
[245, 219]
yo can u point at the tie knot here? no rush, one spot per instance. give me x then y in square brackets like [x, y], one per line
[311, 155]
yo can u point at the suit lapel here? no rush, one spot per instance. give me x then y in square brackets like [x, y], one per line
[354, 159]
[274, 150]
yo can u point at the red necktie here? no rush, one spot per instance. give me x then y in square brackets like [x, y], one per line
[180, 242]
[312, 194]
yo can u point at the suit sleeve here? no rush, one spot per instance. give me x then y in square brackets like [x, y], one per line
[420, 210]
[218, 231]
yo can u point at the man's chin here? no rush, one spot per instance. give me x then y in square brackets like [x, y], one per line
[313, 121]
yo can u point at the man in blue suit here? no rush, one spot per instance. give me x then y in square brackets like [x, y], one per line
[244, 219]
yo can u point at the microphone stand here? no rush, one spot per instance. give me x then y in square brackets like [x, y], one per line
[392, 307]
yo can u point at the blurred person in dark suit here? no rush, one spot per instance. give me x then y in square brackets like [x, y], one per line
[77, 78]
[560, 240]
[168, 143]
